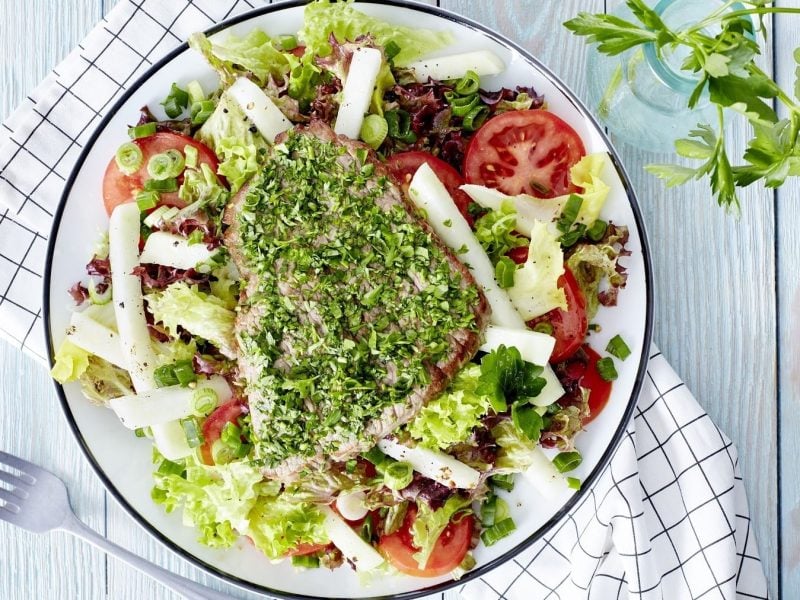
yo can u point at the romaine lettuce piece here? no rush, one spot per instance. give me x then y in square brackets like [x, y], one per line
[277, 526]
[252, 54]
[535, 290]
[200, 314]
[347, 23]
[102, 381]
[429, 525]
[516, 449]
[494, 231]
[450, 418]
[70, 362]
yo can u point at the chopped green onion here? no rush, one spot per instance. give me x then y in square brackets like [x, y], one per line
[527, 420]
[489, 511]
[497, 532]
[167, 467]
[231, 435]
[200, 111]
[165, 376]
[190, 152]
[597, 230]
[368, 169]
[606, 369]
[374, 131]
[398, 475]
[398, 123]
[161, 185]
[96, 297]
[617, 347]
[475, 118]
[461, 105]
[367, 529]
[306, 561]
[221, 453]
[567, 461]
[147, 200]
[570, 212]
[350, 465]
[287, 42]
[193, 436]
[571, 238]
[140, 432]
[175, 102]
[544, 327]
[195, 91]
[204, 400]
[504, 272]
[184, 372]
[166, 164]
[468, 84]
[574, 483]
[129, 158]
[361, 155]
[376, 457]
[504, 482]
[595, 327]
[391, 50]
[140, 131]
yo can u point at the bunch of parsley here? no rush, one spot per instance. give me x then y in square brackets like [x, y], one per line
[725, 67]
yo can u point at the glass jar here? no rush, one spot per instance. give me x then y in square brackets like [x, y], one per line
[642, 97]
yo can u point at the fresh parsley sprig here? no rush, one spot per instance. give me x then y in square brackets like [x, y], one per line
[725, 67]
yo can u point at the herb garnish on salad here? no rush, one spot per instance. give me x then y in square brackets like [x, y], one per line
[347, 296]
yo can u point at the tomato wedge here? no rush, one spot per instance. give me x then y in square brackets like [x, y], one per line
[402, 166]
[524, 152]
[581, 370]
[304, 549]
[215, 423]
[119, 188]
[449, 551]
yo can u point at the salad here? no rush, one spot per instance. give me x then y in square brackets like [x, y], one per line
[347, 296]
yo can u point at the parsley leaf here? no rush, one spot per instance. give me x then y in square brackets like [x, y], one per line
[506, 378]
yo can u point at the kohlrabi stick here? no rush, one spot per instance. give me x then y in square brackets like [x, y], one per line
[96, 339]
[358, 87]
[455, 66]
[259, 108]
[172, 250]
[432, 464]
[352, 545]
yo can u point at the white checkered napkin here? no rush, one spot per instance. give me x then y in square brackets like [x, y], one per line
[668, 518]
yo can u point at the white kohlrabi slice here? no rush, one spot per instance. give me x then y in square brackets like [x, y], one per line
[259, 108]
[544, 476]
[96, 339]
[126, 294]
[354, 548]
[172, 250]
[351, 505]
[455, 66]
[528, 208]
[434, 465]
[429, 194]
[357, 91]
[162, 405]
[534, 347]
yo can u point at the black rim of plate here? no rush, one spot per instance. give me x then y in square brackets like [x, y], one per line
[587, 483]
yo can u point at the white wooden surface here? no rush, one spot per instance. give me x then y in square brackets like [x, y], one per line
[727, 317]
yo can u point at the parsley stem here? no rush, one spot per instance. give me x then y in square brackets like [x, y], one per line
[781, 95]
[715, 16]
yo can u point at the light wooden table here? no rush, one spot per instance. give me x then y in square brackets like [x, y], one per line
[727, 317]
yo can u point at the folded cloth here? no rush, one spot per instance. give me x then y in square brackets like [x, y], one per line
[668, 518]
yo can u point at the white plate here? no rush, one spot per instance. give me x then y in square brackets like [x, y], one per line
[123, 461]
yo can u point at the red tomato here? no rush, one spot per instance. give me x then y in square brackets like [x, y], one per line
[119, 188]
[215, 423]
[304, 549]
[569, 326]
[524, 152]
[599, 388]
[450, 549]
[403, 166]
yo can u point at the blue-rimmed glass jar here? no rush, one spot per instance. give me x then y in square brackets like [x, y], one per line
[641, 96]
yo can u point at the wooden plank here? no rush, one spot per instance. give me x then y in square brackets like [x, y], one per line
[787, 217]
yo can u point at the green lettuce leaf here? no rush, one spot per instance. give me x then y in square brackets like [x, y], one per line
[562, 426]
[231, 136]
[535, 290]
[516, 449]
[252, 55]
[200, 314]
[102, 381]
[495, 231]
[70, 362]
[450, 418]
[323, 17]
[278, 526]
[430, 524]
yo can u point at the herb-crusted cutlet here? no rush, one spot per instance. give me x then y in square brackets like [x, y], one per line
[353, 314]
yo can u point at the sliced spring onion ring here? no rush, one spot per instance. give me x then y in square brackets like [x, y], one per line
[129, 158]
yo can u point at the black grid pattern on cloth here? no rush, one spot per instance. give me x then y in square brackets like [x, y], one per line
[668, 518]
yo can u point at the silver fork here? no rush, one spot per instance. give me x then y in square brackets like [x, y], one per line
[37, 501]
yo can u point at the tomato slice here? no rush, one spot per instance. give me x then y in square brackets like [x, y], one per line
[599, 388]
[304, 549]
[569, 326]
[449, 551]
[402, 166]
[119, 188]
[215, 423]
[524, 152]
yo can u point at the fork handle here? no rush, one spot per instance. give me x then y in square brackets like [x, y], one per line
[183, 586]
